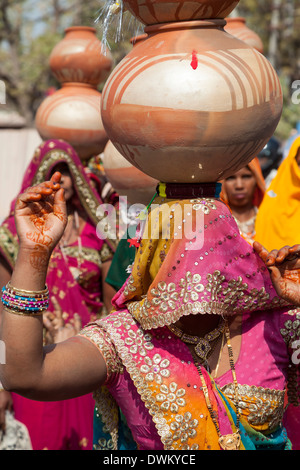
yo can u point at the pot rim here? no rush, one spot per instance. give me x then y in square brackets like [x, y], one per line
[191, 24]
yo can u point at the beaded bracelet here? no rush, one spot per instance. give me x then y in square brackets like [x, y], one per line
[22, 302]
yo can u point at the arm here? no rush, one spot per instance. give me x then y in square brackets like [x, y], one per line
[5, 397]
[65, 370]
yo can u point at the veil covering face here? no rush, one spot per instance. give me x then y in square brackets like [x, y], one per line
[192, 259]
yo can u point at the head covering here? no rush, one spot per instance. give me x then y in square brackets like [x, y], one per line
[255, 168]
[63, 273]
[192, 260]
[277, 222]
[52, 153]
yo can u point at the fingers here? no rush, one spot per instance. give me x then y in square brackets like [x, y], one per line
[37, 193]
[77, 323]
[260, 250]
[294, 252]
[60, 207]
[57, 307]
[56, 177]
[276, 256]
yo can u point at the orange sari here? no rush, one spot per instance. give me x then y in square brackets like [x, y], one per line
[278, 218]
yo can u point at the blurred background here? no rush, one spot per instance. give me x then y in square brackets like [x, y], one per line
[29, 30]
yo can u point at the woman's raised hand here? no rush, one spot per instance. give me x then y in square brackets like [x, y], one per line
[284, 268]
[41, 218]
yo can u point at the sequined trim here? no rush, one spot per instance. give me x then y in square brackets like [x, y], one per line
[9, 245]
[291, 330]
[163, 395]
[151, 371]
[262, 407]
[85, 254]
[98, 336]
[290, 333]
[106, 253]
[87, 198]
[107, 408]
[164, 306]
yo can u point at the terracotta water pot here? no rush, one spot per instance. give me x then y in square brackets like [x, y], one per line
[191, 103]
[238, 28]
[72, 114]
[137, 39]
[126, 179]
[163, 11]
[78, 57]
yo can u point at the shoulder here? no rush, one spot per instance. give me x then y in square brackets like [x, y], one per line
[98, 333]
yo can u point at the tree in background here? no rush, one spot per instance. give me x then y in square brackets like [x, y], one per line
[29, 29]
[277, 22]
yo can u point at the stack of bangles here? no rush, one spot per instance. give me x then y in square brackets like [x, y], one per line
[23, 302]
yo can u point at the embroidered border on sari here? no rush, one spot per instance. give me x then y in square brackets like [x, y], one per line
[8, 245]
[87, 198]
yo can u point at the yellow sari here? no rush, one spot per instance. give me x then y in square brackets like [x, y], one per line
[278, 219]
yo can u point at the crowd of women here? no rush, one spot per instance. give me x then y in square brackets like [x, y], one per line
[194, 351]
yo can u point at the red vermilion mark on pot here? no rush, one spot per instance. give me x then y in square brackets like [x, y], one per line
[194, 63]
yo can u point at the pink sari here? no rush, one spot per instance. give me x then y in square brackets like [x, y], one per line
[151, 373]
[65, 425]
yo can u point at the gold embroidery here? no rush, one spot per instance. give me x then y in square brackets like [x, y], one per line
[205, 205]
[164, 306]
[106, 253]
[9, 244]
[107, 408]
[97, 335]
[185, 427]
[291, 333]
[291, 330]
[87, 197]
[86, 254]
[262, 407]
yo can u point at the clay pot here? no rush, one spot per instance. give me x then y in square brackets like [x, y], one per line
[72, 114]
[191, 103]
[137, 39]
[163, 11]
[238, 28]
[126, 179]
[78, 57]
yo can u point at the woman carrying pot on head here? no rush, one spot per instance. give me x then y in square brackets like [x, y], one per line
[197, 351]
[244, 192]
[76, 278]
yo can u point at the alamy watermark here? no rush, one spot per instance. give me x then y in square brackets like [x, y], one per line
[296, 92]
[2, 92]
[2, 353]
[187, 221]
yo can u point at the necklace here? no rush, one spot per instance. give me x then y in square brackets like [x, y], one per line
[203, 347]
[228, 441]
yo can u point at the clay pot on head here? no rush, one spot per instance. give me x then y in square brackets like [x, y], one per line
[238, 28]
[138, 39]
[127, 180]
[191, 103]
[164, 11]
[78, 57]
[72, 114]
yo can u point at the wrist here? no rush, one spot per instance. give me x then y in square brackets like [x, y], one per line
[30, 270]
